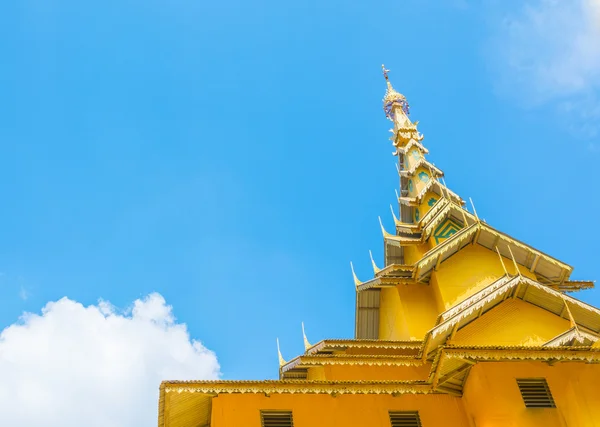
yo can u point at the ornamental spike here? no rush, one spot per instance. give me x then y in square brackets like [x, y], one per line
[281, 359]
[375, 268]
[385, 233]
[307, 345]
[394, 215]
[357, 282]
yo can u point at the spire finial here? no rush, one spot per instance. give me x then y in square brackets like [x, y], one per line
[392, 97]
[307, 345]
[385, 72]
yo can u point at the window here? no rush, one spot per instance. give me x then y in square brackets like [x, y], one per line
[535, 393]
[405, 419]
[276, 419]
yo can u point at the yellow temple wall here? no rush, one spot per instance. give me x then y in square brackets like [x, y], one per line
[469, 271]
[407, 312]
[344, 410]
[492, 397]
[412, 157]
[392, 318]
[513, 322]
[376, 373]
[414, 253]
[419, 182]
[425, 206]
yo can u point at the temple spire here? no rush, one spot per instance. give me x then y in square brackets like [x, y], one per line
[393, 98]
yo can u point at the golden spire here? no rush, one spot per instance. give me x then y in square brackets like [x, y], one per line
[392, 96]
[281, 360]
[307, 345]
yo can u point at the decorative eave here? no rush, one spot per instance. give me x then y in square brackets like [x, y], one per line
[412, 143]
[520, 287]
[499, 353]
[401, 241]
[451, 365]
[440, 213]
[409, 229]
[199, 394]
[442, 190]
[345, 344]
[546, 268]
[576, 285]
[422, 162]
[296, 387]
[312, 360]
[575, 335]
[383, 282]
[396, 271]
[406, 133]
[439, 205]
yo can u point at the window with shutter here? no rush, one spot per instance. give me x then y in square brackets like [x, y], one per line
[405, 419]
[276, 419]
[535, 393]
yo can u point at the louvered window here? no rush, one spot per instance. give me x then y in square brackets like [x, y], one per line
[536, 393]
[405, 419]
[276, 419]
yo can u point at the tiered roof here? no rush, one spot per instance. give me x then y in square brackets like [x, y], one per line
[439, 361]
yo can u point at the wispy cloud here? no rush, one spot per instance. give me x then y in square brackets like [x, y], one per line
[548, 51]
[23, 293]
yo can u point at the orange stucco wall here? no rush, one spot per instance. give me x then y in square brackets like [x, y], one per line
[492, 398]
[341, 411]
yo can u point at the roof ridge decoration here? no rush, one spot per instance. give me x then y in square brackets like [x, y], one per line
[440, 216]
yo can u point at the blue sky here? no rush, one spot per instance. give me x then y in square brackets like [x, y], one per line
[234, 156]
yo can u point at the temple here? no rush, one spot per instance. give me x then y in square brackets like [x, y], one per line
[460, 325]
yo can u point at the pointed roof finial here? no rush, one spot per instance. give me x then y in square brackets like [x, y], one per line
[392, 97]
[385, 233]
[357, 282]
[307, 345]
[375, 268]
[281, 360]
[394, 215]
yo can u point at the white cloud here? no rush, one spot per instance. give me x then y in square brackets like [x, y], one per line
[74, 365]
[549, 52]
